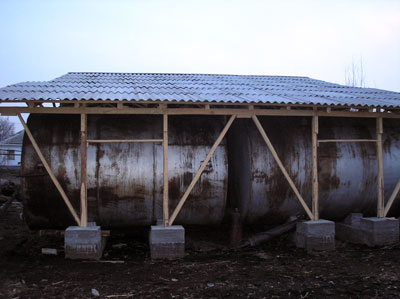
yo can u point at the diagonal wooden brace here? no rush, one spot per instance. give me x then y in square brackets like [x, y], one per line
[392, 198]
[279, 162]
[200, 171]
[49, 171]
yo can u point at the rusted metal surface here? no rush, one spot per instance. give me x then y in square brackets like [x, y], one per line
[125, 181]
[347, 171]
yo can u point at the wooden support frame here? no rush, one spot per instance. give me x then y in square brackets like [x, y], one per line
[283, 169]
[200, 170]
[346, 140]
[124, 140]
[83, 148]
[315, 199]
[165, 171]
[379, 152]
[49, 171]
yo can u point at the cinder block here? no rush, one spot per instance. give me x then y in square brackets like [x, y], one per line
[83, 243]
[167, 242]
[380, 231]
[316, 235]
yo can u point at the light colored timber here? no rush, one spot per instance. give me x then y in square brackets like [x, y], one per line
[10, 111]
[49, 171]
[278, 161]
[379, 132]
[165, 170]
[123, 140]
[200, 171]
[315, 199]
[83, 171]
[392, 198]
[346, 140]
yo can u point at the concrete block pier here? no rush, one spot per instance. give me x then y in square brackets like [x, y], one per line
[316, 235]
[83, 243]
[167, 242]
[370, 231]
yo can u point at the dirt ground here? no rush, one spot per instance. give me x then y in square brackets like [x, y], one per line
[210, 269]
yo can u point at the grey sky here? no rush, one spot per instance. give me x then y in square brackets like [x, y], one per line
[41, 40]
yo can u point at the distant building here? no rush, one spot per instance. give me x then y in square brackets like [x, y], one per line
[10, 150]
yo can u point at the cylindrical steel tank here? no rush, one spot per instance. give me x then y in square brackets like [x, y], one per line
[125, 180]
[347, 171]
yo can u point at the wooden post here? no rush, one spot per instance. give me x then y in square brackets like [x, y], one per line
[83, 172]
[379, 132]
[200, 171]
[165, 170]
[315, 206]
[48, 169]
[279, 162]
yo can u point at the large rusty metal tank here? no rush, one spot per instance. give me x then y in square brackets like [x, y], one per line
[125, 180]
[347, 171]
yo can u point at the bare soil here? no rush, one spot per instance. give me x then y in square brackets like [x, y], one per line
[210, 269]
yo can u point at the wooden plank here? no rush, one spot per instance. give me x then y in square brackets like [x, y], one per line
[123, 140]
[315, 199]
[346, 140]
[379, 132]
[192, 111]
[200, 170]
[49, 171]
[278, 161]
[392, 198]
[165, 170]
[83, 147]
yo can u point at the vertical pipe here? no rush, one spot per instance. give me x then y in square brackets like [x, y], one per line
[165, 170]
[315, 206]
[379, 132]
[83, 172]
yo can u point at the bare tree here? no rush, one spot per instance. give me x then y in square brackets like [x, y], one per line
[6, 128]
[354, 73]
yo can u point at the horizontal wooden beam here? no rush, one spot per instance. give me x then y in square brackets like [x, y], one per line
[346, 140]
[242, 112]
[123, 140]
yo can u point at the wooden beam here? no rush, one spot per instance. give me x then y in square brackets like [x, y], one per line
[49, 171]
[200, 170]
[278, 161]
[346, 140]
[392, 198]
[165, 170]
[315, 200]
[7, 111]
[379, 132]
[123, 140]
[83, 171]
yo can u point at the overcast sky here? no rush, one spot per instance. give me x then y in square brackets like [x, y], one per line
[41, 40]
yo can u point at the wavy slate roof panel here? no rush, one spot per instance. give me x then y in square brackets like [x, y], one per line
[198, 88]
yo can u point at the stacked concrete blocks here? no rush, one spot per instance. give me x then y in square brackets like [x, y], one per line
[371, 231]
[167, 242]
[83, 243]
[316, 235]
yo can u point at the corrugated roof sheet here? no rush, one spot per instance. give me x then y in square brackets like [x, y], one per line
[198, 88]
